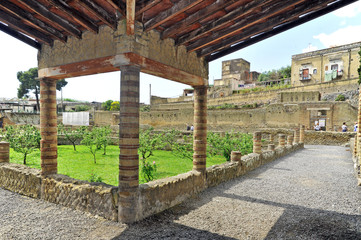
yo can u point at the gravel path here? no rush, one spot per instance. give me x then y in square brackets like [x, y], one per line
[310, 194]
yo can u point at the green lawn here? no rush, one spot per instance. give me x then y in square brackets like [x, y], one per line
[80, 164]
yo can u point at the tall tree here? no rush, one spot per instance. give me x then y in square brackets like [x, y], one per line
[30, 84]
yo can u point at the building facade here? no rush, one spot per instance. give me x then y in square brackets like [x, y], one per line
[336, 63]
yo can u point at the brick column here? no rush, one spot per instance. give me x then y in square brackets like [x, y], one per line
[200, 128]
[4, 152]
[128, 144]
[236, 156]
[302, 134]
[290, 140]
[281, 140]
[257, 142]
[48, 127]
[297, 136]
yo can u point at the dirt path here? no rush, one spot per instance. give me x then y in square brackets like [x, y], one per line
[310, 194]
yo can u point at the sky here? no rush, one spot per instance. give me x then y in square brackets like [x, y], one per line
[337, 28]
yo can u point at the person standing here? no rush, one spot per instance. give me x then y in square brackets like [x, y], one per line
[344, 127]
[355, 127]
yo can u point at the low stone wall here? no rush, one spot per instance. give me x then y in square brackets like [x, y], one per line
[328, 138]
[20, 179]
[96, 198]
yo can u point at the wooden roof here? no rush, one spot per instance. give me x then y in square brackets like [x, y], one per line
[211, 28]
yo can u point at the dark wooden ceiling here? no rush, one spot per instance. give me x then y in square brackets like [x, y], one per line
[211, 28]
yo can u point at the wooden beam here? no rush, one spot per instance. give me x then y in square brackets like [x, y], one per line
[199, 15]
[168, 14]
[55, 19]
[21, 27]
[254, 19]
[266, 26]
[100, 12]
[130, 17]
[29, 19]
[118, 5]
[139, 11]
[113, 63]
[281, 28]
[231, 17]
[20, 36]
[86, 23]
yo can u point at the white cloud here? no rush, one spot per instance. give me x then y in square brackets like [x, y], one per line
[341, 36]
[310, 48]
[349, 11]
[343, 23]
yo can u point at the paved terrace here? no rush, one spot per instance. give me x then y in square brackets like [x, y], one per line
[310, 194]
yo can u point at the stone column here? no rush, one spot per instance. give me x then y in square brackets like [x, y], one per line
[281, 140]
[200, 128]
[257, 142]
[358, 142]
[302, 134]
[48, 127]
[4, 152]
[129, 143]
[236, 156]
[296, 140]
[290, 140]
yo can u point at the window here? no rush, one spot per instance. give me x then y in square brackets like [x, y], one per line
[334, 67]
[314, 71]
[305, 74]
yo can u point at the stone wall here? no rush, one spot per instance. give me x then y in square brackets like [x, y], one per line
[292, 97]
[328, 138]
[20, 179]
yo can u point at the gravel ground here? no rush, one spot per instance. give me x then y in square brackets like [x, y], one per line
[310, 194]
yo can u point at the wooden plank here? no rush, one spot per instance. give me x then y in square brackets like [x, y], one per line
[98, 11]
[20, 36]
[244, 23]
[204, 13]
[140, 10]
[282, 28]
[164, 16]
[21, 27]
[225, 20]
[86, 23]
[29, 19]
[118, 5]
[130, 17]
[55, 19]
[266, 26]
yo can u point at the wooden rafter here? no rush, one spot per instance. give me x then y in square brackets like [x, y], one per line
[21, 27]
[31, 20]
[118, 5]
[266, 26]
[100, 12]
[168, 14]
[55, 19]
[279, 29]
[86, 23]
[252, 20]
[20, 36]
[144, 7]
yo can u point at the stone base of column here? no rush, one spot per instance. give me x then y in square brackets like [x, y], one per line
[4, 152]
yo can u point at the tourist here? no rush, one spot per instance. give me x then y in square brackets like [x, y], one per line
[192, 128]
[317, 127]
[355, 127]
[188, 127]
[344, 127]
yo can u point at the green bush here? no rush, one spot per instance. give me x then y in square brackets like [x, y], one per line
[340, 97]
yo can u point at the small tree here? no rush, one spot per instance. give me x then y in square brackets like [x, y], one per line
[72, 136]
[115, 106]
[23, 139]
[181, 147]
[148, 142]
[103, 137]
[107, 105]
[90, 140]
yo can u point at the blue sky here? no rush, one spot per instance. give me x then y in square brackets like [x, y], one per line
[337, 28]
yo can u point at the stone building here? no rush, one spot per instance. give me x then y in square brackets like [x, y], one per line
[336, 63]
[236, 74]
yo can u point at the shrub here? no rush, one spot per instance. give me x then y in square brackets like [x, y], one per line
[81, 108]
[340, 97]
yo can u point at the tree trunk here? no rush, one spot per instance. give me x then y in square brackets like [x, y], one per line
[25, 158]
[37, 99]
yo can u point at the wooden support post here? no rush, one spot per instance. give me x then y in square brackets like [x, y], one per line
[48, 127]
[130, 17]
[4, 152]
[290, 140]
[257, 142]
[236, 156]
[302, 134]
[128, 144]
[281, 140]
[200, 128]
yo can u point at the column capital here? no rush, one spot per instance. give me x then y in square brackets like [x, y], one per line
[130, 68]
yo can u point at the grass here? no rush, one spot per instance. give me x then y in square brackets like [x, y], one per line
[80, 164]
